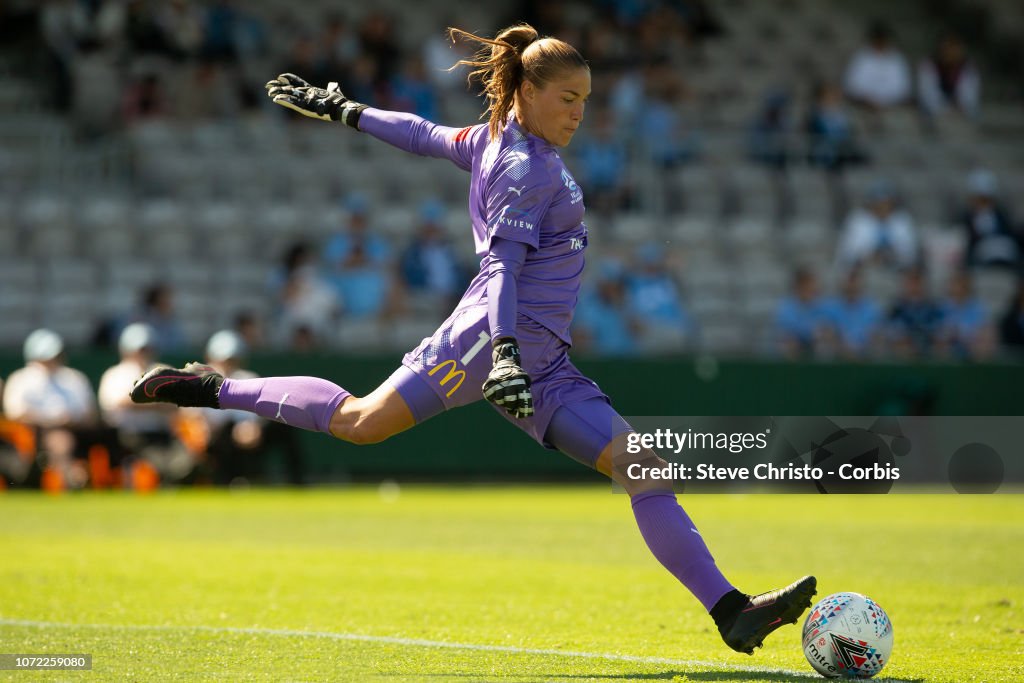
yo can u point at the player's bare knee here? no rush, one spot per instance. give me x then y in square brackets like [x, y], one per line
[359, 424]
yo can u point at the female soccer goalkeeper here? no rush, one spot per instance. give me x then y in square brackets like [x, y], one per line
[527, 215]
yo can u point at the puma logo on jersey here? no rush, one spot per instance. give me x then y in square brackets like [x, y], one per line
[517, 190]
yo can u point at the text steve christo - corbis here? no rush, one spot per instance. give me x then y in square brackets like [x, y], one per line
[666, 440]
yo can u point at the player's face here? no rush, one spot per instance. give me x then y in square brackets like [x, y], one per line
[555, 111]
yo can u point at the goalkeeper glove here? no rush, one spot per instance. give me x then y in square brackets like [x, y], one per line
[290, 91]
[508, 385]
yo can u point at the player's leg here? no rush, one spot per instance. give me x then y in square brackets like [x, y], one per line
[309, 403]
[590, 431]
[593, 433]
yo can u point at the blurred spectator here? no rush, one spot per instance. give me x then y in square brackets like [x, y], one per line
[412, 91]
[915, 319]
[439, 54]
[428, 264]
[339, 46]
[947, 80]
[146, 431]
[306, 61]
[46, 392]
[654, 298]
[602, 324]
[831, 136]
[340, 245]
[880, 232]
[603, 160]
[855, 317]
[96, 90]
[211, 92]
[1011, 326]
[367, 290]
[157, 310]
[768, 141]
[878, 75]
[700, 21]
[661, 117]
[57, 401]
[991, 238]
[249, 326]
[306, 304]
[379, 42]
[966, 333]
[221, 23]
[236, 441]
[802, 320]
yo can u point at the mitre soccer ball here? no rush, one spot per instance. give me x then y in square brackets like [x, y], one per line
[847, 635]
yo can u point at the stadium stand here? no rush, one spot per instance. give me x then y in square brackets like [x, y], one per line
[98, 197]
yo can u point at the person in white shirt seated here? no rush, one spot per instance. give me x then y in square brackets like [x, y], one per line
[880, 233]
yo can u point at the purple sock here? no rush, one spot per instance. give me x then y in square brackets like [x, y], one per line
[674, 540]
[304, 402]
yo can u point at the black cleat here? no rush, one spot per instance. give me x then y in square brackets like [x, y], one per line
[195, 385]
[764, 613]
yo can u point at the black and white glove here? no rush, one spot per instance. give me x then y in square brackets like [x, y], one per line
[290, 91]
[508, 385]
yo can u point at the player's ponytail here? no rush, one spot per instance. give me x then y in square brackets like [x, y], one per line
[502, 63]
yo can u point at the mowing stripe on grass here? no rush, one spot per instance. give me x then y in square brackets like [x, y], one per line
[410, 642]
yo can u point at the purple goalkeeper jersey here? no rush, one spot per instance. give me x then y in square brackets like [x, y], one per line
[520, 190]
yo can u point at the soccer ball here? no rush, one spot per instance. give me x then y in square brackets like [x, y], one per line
[848, 635]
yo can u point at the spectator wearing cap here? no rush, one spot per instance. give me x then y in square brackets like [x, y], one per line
[428, 264]
[990, 237]
[56, 400]
[236, 441]
[46, 392]
[879, 232]
[139, 426]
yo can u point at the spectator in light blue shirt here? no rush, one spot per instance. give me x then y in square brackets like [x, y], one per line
[801, 318]
[655, 299]
[855, 317]
[602, 324]
[338, 248]
[966, 331]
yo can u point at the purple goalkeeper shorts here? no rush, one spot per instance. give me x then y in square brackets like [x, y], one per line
[454, 362]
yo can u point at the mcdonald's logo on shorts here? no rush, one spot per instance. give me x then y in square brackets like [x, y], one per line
[450, 375]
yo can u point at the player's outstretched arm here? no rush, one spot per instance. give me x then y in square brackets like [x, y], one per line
[405, 131]
[330, 104]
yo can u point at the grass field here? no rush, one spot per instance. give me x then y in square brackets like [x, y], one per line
[486, 584]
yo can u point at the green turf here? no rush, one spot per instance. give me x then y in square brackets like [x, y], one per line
[258, 585]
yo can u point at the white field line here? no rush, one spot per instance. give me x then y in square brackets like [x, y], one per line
[408, 642]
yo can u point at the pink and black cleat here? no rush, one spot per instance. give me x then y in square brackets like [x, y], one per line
[195, 385]
[764, 613]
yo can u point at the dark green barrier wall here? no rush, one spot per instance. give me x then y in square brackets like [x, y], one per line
[473, 441]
